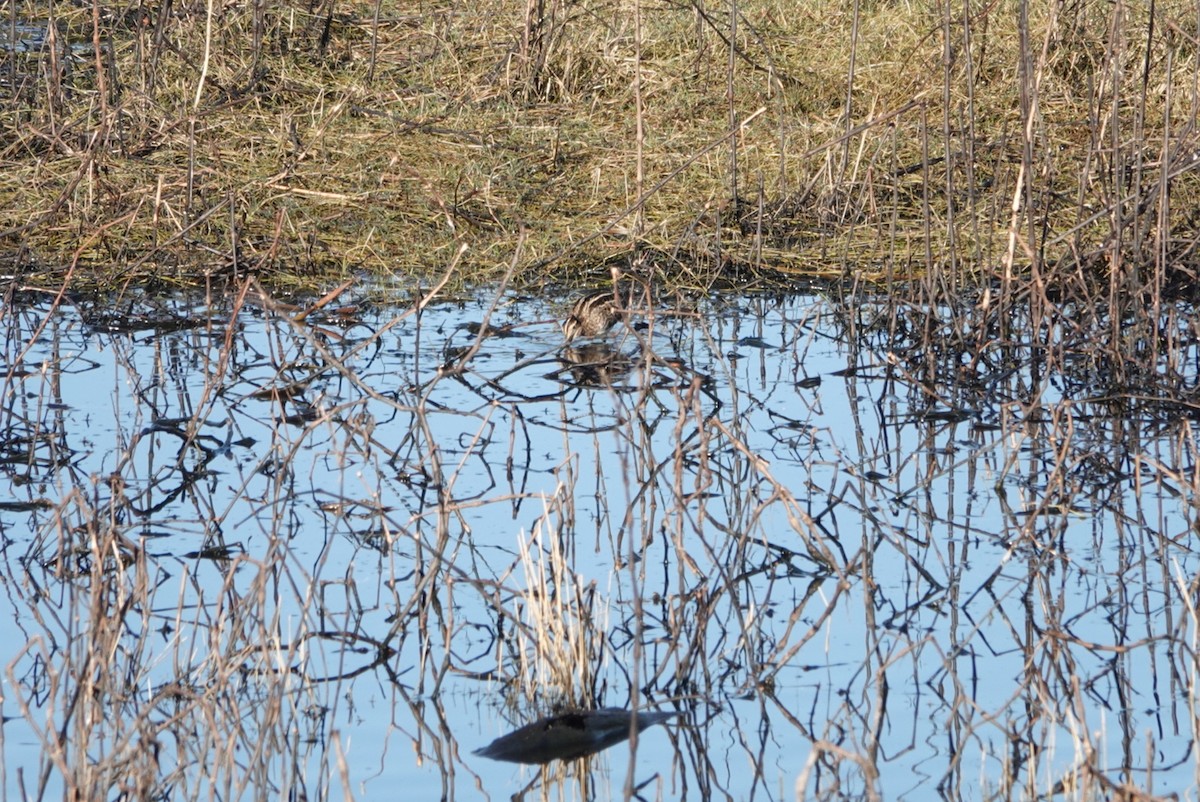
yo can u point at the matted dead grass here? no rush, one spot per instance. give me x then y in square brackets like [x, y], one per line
[184, 142]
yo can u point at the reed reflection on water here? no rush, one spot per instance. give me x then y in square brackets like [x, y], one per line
[255, 554]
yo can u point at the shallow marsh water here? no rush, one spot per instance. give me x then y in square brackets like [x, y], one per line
[256, 556]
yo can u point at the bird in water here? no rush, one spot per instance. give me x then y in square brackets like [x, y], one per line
[578, 733]
[592, 315]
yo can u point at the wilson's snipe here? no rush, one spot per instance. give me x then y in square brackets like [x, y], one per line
[592, 315]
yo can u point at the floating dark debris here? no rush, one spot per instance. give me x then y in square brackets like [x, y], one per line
[569, 735]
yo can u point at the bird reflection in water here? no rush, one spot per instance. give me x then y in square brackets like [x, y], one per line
[592, 365]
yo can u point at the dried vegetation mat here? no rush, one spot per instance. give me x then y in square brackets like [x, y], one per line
[181, 141]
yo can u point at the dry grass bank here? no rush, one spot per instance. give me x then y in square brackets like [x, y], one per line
[177, 141]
